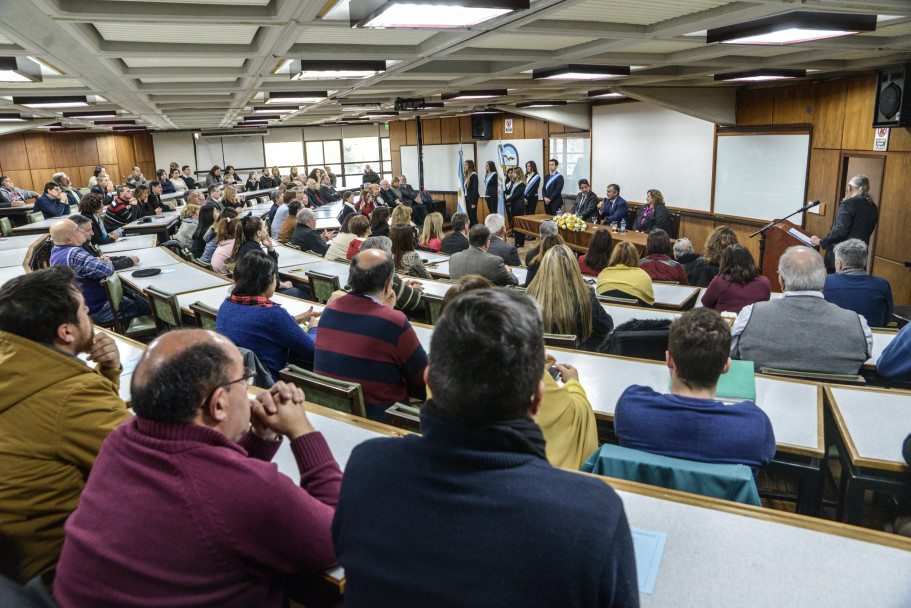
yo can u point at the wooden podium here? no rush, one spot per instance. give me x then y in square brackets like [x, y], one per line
[777, 240]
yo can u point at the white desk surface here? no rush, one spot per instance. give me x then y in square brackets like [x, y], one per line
[442, 269]
[881, 340]
[19, 242]
[251, 193]
[875, 423]
[259, 209]
[792, 407]
[327, 223]
[184, 278]
[128, 243]
[11, 272]
[428, 257]
[152, 257]
[621, 314]
[12, 257]
[215, 296]
[288, 256]
[328, 267]
[158, 221]
[328, 210]
[128, 352]
[672, 295]
[38, 226]
[434, 288]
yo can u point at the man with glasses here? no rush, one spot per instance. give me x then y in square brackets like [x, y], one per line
[53, 203]
[85, 226]
[185, 506]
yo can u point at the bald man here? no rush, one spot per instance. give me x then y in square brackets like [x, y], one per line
[90, 271]
[314, 199]
[191, 509]
[361, 338]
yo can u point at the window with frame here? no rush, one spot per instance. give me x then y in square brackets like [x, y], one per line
[574, 155]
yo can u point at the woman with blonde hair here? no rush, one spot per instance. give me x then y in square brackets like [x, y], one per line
[568, 304]
[654, 214]
[551, 240]
[354, 226]
[432, 237]
[229, 198]
[624, 279]
[401, 215]
[715, 243]
[189, 221]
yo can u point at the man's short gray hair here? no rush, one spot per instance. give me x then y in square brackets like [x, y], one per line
[274, 195]
[195, 193]
[79, 220]
[57, 176]
[682, 247]
[305, 215]
[383, 243]
[548, 227]
[852, 253]
[802, 269]
[495, 223]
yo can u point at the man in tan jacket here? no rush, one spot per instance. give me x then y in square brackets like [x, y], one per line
[55, 411]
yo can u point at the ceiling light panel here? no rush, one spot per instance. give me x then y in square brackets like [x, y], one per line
[185, 62]
[792, 28]
[436, 14]
[634, 12]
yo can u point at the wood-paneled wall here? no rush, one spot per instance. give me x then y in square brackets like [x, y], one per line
[32, 157]
[841, 112]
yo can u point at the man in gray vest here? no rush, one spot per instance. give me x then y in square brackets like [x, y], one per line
[801, 331]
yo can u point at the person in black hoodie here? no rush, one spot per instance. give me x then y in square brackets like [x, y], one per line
[691, 261]
[252, 182]
[370, 176]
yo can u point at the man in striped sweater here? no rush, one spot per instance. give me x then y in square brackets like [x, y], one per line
[362, 338]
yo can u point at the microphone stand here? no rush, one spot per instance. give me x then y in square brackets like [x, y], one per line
[761, 232]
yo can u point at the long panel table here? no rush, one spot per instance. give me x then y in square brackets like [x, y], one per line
[40, 227]
[13, 257]
[17, 242]
[159, 223]
[531, 225]
[11, 272]
[214, 297]
[175, 278]
[130, 243]
[442, 270]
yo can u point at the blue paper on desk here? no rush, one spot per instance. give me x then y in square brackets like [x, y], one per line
[167, 270]
[130, 366]
[648, 547]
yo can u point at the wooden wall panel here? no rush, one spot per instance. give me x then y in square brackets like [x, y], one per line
[39, 178]
[449, 130]
[696, 229]
[895, 209]
[899, 277]
[829, 114]
[107, 151]
[38, 151]
[396, 134]
[431, 130]
[859, 105]
[553, 127]
[465, 128]
[63, 148]
[743, 232]
[13, 156]
[535, 129]
[899, 140]
[87, 151]
[823, 186]
[411, 133]
[22, 178]
[142, 148]
[755, 106]
[397, 164]
[793, 105]
[148, 169]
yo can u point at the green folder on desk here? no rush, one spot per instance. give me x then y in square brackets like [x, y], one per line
[738, 384]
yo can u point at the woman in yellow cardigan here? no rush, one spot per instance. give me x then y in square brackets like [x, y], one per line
[624, 278]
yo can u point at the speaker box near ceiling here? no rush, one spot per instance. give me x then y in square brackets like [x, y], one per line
[481, 126]
[893, 97]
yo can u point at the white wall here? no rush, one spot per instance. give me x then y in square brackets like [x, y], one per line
[173, 147]
[642, 146]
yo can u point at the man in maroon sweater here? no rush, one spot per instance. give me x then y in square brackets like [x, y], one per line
[183, 507]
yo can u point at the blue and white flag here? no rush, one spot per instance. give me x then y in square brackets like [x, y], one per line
[461, 174]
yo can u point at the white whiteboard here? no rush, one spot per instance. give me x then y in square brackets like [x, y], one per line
[173, 147]
[441, 165]
[244, 153]
[208, 153]
[640, 146]
[761, 176]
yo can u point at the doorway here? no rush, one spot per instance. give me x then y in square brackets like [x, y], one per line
[873, 166]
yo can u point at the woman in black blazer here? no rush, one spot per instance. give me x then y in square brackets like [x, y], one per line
[491, 185]
[532, 185]
[471, 191]
[516, 201]
[654, 215]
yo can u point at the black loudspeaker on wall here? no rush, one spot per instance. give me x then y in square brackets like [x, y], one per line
[481, 126]
[893, 97]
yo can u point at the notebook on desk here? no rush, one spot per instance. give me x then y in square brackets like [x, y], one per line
[738, 384]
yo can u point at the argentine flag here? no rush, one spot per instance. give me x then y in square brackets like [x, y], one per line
[461, 174]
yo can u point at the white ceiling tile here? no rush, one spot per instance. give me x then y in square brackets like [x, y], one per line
[899, 29]
[661, 46]
[529, 43]
[337, 35]
[177, 33]
[638, 12]
[188, 62]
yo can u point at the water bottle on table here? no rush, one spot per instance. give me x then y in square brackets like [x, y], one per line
[623, 226]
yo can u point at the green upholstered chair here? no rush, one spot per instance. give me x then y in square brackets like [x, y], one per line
[560, 340]
[165, 309]
[329, 392]
[432, 306]
[35, 216]
[322, 285]
[41, 255]
[74, 209]
[5, 226]
[814, 376]
[205, 315]
[404, 416]
[137, 327]
[84, 191]
[725, 481]
[201, 264]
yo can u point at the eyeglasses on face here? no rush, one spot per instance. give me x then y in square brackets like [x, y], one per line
[249, 374]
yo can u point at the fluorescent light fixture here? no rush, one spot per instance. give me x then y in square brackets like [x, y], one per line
[130, 129]
[436, 14]
[50, 127]
[335, 69]
[381, 114]
[51, 102]
[434, 105]
[19, 69]
[11, 118]
[761, 75]
[792, 28]
[487, 111]
[576, 71]
[604, 94]
[91, 115]
[115, 123]
[475, 94]
[360, 107]
[258, 121]
[295, 97]
[275, 109]
[68, 129]
[540, 104]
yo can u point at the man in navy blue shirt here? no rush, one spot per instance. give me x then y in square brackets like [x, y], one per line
[471, 513]
[689, 422]
[852, 288]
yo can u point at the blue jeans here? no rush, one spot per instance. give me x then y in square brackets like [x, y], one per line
[130, 306]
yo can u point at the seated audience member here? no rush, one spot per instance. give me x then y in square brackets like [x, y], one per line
[402, 215]
[598, 256]
[348, 207]
[276, 197]
[305, 235]
[56, 411]
[546, 227]
[187, 177]
[290, 224]
[91, 207]
[739, 283]
[252, 182]
[214, 196]
[362, 339]
[122, 210]
[624, 278]
[166, 186]
[314, 199]
[85, 225]
[496, 223]
[432, 235]
[654, 214]
[476, 260]
[255, 322]
[586, 205]
[53, 203]
[716, 242]
[327, 191]
[229, 198]
[568, 305]
[105, 189]
[407, 260]
[386, 195]
[691, 261]
[265, 180]
[534, 264]
[282, 211]
[195, 197]
[232, 174]
[205, 226]
[895, 360]
[11, 196]
[177, 184]
[801, 331]
[68, 251]
[457, 240]
[411, 197]
[199, 481]
[136, 178]
[250, 234]
[66, 187]
[658, 262]
[214, 176]
[224, 237]
[147, 208]
[189, 222]
[370, 176]
[480, 443]
[379, 221]
[338, 248]
[613, 208]
[407, 293]
[689, 422]
[96, 175]
[853, 289]
[155, 191]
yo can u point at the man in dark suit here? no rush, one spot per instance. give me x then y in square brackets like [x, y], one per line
[496, 223]
[326, 191]
[305, 235]
[586, 205]
[477, 260]
[410, 199]
[553, 189]
[613, 208]
[314, 200]
[370, 176]
[856, 218]
[458, 240]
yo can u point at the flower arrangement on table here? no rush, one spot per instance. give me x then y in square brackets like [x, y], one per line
[568, 221]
